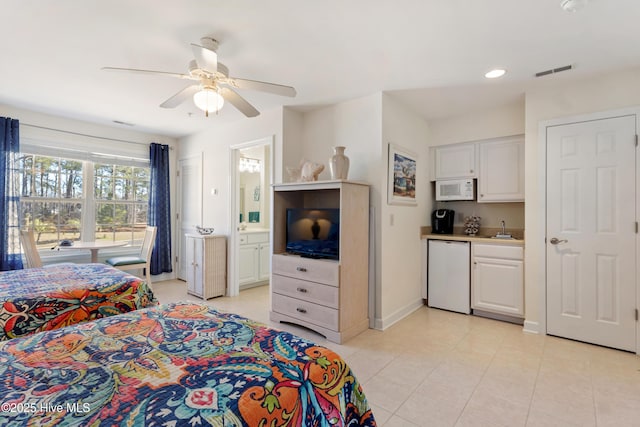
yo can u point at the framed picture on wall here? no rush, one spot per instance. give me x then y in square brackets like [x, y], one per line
[401, 185]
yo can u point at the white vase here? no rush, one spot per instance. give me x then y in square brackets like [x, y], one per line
[339, 164]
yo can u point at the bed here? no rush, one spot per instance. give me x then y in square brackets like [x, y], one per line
[41, 299]
[177, 364]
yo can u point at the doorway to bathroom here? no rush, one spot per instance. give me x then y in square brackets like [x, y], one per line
[250, 216]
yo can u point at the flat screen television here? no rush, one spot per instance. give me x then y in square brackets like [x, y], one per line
[313, 233]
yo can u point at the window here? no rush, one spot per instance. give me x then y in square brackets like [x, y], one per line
[121, 195]
[59, 202]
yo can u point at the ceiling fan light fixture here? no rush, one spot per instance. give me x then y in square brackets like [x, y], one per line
[573, 5]
[208, 100]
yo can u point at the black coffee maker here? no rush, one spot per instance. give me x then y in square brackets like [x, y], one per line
[442, 221]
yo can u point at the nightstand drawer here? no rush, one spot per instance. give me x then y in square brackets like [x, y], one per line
[315, 270]
[307, 311]
[309, 291]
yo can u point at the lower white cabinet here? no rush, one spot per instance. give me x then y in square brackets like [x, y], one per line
[206, 258]
[254, 256]
[497, 280]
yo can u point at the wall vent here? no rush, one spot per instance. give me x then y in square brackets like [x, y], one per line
[554, 70]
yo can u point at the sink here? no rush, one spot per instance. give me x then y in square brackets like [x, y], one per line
[503, 236]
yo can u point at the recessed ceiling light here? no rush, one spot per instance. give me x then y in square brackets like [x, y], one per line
[495, 73]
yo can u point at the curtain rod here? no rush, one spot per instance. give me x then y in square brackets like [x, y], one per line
[87, 135]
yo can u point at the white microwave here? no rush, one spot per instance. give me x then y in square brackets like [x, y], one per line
[455, 189]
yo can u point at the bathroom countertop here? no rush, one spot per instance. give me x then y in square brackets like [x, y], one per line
[254, 230]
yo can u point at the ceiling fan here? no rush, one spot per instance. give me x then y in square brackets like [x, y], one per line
[213, 85]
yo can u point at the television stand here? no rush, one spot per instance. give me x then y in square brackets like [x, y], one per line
[325, 295]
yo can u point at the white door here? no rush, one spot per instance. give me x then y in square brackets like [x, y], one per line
[591, 257]
[190, 206]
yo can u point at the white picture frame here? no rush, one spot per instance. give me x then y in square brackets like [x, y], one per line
[401, 184]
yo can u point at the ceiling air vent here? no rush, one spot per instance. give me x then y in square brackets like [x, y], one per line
[554, 70]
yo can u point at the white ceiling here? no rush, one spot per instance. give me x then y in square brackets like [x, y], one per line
[432, 54]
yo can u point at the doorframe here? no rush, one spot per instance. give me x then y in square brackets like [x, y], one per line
[233, 288]
[542, 182]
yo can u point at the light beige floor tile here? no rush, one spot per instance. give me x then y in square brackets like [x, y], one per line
[486, 409]
[540, 419]
[386, 392]
[565, 405]
[617, 409]
[437, 368]
[436, 400]
[396, 421]
[381, 415]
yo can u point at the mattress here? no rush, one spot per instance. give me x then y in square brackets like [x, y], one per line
[42, 299]
[173, 365]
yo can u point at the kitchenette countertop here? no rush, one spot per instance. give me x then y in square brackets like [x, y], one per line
[483, 237]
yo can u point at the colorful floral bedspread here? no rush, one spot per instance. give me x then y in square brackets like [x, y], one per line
[181, 364]
[42, 299]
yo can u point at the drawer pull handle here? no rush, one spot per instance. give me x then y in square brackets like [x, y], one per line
[301, 269]
[301, 310]
[303, 290]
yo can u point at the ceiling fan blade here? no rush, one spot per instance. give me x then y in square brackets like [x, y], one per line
[264, 87]
[180, 97]
[206, 58]
[162, 73]
[239, 102]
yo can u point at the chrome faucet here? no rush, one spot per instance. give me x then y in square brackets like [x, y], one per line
[502, 224]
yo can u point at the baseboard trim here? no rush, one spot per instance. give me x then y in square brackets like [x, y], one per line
[398, 315]
[531, 327]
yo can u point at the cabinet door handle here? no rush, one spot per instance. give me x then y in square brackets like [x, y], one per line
[301, 310]
[301, 269]
[303, 290]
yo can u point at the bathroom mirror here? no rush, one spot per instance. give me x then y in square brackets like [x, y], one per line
[251, 190]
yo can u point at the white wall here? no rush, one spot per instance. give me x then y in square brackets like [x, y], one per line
[74, 131]
[549, 101]
[492, 122]
[401, 291]
[365, 126]
[215, 145]
[357, 125]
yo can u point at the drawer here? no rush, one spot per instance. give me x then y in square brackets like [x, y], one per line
[497, 251]
[257, 238]
[315, 270]
[243, 239]
[309, 291]
[304, 310]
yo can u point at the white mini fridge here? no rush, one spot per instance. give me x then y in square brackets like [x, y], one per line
[448, 283]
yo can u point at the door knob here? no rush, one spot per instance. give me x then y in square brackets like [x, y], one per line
[556, 241]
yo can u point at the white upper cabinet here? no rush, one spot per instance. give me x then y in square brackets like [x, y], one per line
[501, 170]
[455, 161]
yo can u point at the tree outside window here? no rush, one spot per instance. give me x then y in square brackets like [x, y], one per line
[56, 200]
[121, 195]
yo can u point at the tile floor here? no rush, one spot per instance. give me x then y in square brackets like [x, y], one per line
[437, 368]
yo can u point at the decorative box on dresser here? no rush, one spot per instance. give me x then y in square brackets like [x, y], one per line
[325, 295]
[206, 257]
